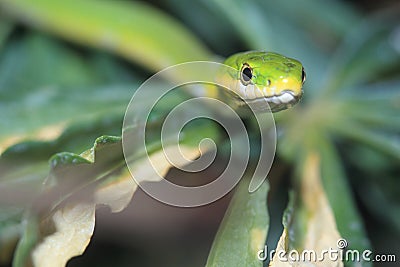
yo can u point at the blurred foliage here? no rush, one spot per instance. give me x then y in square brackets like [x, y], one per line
[62, 86]
[245, 222]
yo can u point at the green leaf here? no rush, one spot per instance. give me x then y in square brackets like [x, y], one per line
[76, 183]
[307, 12]
[385, 142]
[368, 53]
[383, 96]
[235, 11]
[10, 231]
[133, 30]
[376, 194]
[6, 28]
[367, 159]
[207, 23]
[53, 95]
[27, 241]
[348, 219]
[243, 230]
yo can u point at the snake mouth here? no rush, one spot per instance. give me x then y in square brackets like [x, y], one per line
[274, 103]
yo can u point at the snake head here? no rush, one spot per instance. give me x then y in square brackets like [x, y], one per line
[266, 77]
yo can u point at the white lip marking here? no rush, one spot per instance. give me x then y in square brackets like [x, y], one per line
[286, 98]
[275, 100]
[252, 92]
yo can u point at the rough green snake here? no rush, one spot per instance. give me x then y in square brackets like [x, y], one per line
[265, 77]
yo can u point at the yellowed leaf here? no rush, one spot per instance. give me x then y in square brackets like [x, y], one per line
[321, 234]
[74, 227]
[257, 237]
[116, 194]
[74, 222]
[45, 133]
[160, 163]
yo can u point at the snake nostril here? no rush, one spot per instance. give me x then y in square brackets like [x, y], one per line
[268, 83]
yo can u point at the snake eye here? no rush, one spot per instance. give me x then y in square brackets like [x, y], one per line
[246, 74]
[303, 75]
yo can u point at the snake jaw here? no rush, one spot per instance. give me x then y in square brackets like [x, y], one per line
[282, 101]
[274, 103]
[276, 98]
